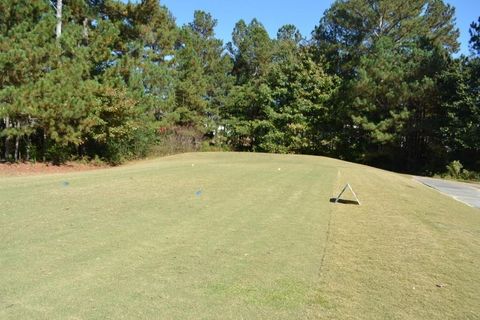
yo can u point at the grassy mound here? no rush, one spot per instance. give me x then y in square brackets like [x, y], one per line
[232, 236]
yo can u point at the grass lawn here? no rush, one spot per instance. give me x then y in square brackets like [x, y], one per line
[230, 236]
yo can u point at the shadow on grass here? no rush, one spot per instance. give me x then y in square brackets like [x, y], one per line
[341, 201]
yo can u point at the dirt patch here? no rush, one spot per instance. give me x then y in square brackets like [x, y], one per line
[24, 169]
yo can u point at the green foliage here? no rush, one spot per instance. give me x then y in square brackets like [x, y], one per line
[377, 83]
[460, 129]
[390, 56]
[351, 28]
[281, 95]
[300, 97]
[475, 36]
[90, 92]
[455, 169]
[251, 49]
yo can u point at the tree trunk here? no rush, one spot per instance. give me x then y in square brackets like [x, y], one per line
[17, 142]
[27, 149]
[83, 150]
[85, 30]
[44, 155]
[58, 30]
[7, 125]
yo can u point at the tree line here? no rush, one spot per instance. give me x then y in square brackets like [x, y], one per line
[376, 82]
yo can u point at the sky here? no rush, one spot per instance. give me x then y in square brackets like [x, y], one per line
[304, 14]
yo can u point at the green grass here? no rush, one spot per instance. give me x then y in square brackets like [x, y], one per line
[257, 243]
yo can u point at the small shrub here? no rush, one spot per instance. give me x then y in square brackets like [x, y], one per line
[58, 154]
[208, 146]
[176, 140]
[455, 169]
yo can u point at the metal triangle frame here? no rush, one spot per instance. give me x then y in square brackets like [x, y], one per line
[348, 186]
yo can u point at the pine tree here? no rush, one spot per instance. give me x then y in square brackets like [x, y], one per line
[389, 55]
[249, 100]
[460, 121]
[202, 74]
[475, 36]
[26, 39]
[300, 94]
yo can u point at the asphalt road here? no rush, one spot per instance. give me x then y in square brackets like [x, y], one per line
[463, 192]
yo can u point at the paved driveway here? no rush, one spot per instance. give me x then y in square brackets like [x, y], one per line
[463, 192]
